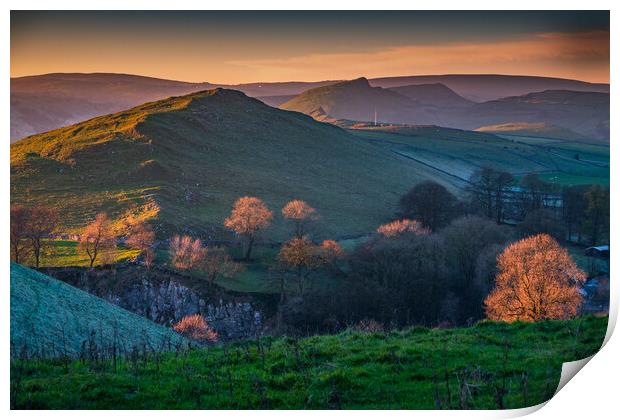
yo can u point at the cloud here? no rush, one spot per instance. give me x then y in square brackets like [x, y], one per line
[582, 55]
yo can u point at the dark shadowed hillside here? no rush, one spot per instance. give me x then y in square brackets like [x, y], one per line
[586, 113]
[434, 94]
[357, 100]
[185, 160]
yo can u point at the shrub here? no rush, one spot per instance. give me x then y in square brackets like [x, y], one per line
[196, 328]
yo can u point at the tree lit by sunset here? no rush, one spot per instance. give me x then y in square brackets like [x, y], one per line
[537, 280]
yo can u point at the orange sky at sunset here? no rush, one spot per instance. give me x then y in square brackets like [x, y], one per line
[274, 47]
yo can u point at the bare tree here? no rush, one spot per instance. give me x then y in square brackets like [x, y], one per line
[482, 190]
[20, 217]
[98, 239]
[534, 192]
[42, 223]
[488, 187]
[465, 239]
[301, 257]
[300, 214]
[503, 181]
[186, 253]
[217, 263]
[574, 207]
[140, 236]
[597, 213]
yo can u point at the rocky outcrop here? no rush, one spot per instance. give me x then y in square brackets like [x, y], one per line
[163, 298]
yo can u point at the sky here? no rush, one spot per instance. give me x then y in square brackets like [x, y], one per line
[267, 46]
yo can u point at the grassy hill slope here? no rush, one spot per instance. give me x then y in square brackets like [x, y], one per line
[413, 369]
[524, 129]
[185, 160]
[50, 318]
[458, 153]
[49, 101]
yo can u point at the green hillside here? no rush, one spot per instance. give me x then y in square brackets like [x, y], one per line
[488, 366]
[185, 160]
[49, 318]
[542, 130]
[457, 153]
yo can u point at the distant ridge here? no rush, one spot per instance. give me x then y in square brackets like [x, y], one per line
[44, 102]
[486, 87]
[582, 112]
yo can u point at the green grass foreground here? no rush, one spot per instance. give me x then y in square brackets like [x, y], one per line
[488, 366]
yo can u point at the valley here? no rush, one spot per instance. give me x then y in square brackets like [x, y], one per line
[386, 210]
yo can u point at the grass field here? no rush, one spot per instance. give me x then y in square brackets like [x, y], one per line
[49, 317]
[459, 155]
[64, 253]
[413, 369]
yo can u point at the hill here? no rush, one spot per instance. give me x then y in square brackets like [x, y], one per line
[434, 94]
[49, 318]
[543, 130]
[487, 87]
[586, 113]
[49, 101]
[458, 153]
[357, 100]
[185, 160]
[43, 103]
[413, 369]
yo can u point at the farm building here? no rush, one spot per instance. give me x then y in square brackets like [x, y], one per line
[601, 251]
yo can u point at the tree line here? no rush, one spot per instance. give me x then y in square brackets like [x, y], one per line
[578, 213]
